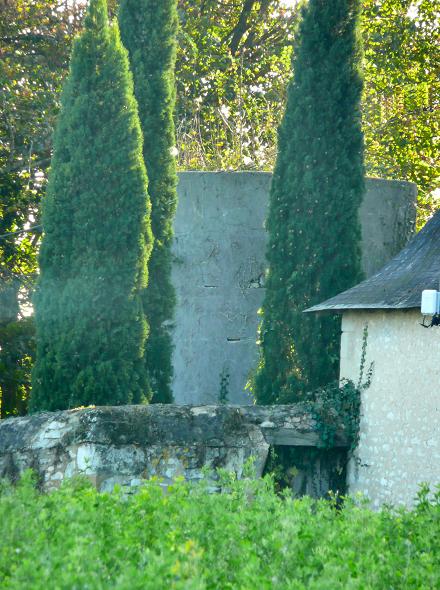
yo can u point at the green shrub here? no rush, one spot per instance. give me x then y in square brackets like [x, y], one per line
[247, 538]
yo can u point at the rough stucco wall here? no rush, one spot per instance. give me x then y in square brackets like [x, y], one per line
[219, 268]
[400, 423]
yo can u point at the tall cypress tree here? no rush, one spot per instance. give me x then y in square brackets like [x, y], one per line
[317, 187]
[91, 328]
[148, 30]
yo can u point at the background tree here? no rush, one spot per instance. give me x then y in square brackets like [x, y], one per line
[314, 231]
[148, 31]
[34, 49]
[233, 65]
[91, 328]
[227, 113]
[229, 103]
[402, 94]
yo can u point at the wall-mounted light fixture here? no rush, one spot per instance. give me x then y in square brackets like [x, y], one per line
[430, 306]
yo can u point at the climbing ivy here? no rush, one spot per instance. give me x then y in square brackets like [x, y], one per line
[336, 405]
[339, 404]
[223, 397]
[335, 408]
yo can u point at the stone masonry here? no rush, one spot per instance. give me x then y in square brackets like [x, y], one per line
[126, 444]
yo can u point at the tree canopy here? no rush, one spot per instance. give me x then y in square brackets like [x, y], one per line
[232, 70]
[402, 94]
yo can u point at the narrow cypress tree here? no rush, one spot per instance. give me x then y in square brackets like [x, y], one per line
[90, 324]
[148, 31]
[317, 187]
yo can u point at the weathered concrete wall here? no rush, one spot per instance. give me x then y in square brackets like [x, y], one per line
[123, 445]
[400, 423]
[219, 269]
[388, 215]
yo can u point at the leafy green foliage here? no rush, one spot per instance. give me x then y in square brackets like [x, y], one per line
[34, 49]
[148, 31]
[314, 233]
[246, 537]
[35, 45]
[17, 349]
[401, 101]
[337, 404]
[229, 110]
[233, 65]
[90, 323]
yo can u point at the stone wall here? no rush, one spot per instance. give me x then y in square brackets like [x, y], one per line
[219, 270]
[123, 445]
[400, 416]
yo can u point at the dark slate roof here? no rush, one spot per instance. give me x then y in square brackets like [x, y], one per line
[399, 284]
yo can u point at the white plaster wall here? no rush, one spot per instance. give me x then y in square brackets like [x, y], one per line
[400, 424]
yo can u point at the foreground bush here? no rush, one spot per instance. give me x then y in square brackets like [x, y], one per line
[247, 538]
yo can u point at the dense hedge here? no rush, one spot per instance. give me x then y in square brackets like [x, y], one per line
[247, 538]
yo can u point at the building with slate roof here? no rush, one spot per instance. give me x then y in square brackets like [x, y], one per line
[400, 418]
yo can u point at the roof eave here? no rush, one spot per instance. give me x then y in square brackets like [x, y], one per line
[341, 307]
